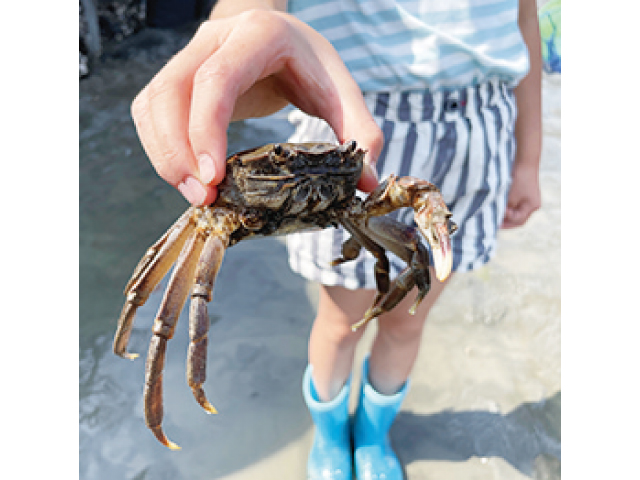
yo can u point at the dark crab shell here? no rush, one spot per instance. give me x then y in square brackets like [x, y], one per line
[281, 188]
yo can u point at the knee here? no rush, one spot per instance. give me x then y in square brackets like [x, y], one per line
[338, 331]
[401, 329]
[338, 310]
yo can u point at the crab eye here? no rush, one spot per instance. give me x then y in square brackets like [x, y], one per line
[351, 146]
[277, 149]
[348, 147]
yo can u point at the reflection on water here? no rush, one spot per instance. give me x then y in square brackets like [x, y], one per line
[261, 316]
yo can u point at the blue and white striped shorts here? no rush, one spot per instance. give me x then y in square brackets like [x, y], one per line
[460, 140]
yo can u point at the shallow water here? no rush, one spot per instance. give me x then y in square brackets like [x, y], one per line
[485, 401]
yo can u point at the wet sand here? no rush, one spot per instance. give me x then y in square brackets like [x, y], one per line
[485, 397]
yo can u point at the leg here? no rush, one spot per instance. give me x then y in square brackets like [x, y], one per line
[404, 241]
[332, 343]
[150, 270]
[208, 266]
[397, 342]
[331, 349]
[350, 251]
[163, 329]
[384, 386]
[403, 284]
[381, 268]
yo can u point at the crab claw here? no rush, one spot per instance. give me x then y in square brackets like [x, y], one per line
[431, 214]
[433, 221]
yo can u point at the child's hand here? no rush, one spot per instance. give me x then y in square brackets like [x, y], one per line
[524, 196]
[248, 65]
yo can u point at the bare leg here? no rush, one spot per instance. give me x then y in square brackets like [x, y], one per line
[332, 343]
[397, 342]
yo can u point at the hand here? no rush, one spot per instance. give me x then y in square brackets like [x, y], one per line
[249, 65]
[524, 196]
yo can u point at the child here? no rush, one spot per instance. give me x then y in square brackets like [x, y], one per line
[428, 90]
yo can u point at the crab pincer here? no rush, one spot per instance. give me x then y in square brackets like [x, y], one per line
[433, 218]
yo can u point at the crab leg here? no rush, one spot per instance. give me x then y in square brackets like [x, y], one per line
[381, 268]
[405, 243]
[350, 250]
[164, 326]
[402, 284]
[208, 266]
[150, 270]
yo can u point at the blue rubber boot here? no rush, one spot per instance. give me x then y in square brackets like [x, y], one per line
[373, 456]
[330, 456]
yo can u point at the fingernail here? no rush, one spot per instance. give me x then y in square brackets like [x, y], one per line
[371, 170]
[192, 190]
[207, 168]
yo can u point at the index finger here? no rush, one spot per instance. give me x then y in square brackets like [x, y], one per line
[161, 113]
[240, 60]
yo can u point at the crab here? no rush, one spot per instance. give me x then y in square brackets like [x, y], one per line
[274, 190]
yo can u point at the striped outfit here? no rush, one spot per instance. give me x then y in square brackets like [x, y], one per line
[449, 120]
[435, 44]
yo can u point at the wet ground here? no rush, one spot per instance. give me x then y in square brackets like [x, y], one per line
[485, 399]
